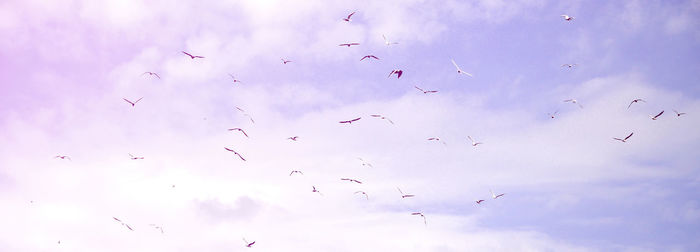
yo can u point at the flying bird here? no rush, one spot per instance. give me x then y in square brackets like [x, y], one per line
[157, 227]
[294, 138]
[134, 157]
[474, 143]
[369, 57]
[678, 113]
[284, 61]
[434, 139]
[132, 103]
[424, 91]
[239, 129]
[365, 163]
[574, 101]
[246, 114]
[234, 152]
[568, 65]
[386, 41]
[479, 201]
[421, 215]
[295, 171]
[635, 100]
[351, 180]
[347, 19]
[567, 17]
[152, 74]
[625, 139]
[382, 117]
[63, 157]
[403, 195]
[248, 244]
[654, 117]
[234, 78]
[123, 224]
[398, 73]
[349, 44]
[366, 196]
[316, 191]
[459, 70]
[192, 56]
[350, 121]
[553, 114]
[496, 196]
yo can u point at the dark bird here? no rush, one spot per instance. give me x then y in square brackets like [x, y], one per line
[625, 139]
[424, 91]
[434, 139]
[657, 115]
[152, 74]
[678, 113]
[133, 103]
[123, 224]
[366, 196]
[349, 44]
[239, 129]
[421, 215]
[248, 244]
[347, 19]
[234, 152]
[382, 117]
[63, 157]
[403, 195]
[192, 56]
[351, 180]
[134, 157]
[285, 61]
[369, 57]
[398, 73]
[316, 191]
[635, 100]
[294, 138]
[496, 196]
[350, 121]
[295, 171]
[479, 201]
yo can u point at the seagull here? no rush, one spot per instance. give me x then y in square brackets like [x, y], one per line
[421, 215]
[134, 157]
[635, 100]
[398, 73]
[382, 117]
[369, 57]
[386, 41]
[568, 65]
[349, 44]
[234, 78]
[474, 143]
[656, 116]
[294, 138]
[295, 171]
[246, 114]
[351, 180]
[678, 113]
[553, 114]
[63, 157]
[316, 191]
[192, 56]
[350, 121]
[434, 139]
[123, 224]
[248, 244]
[567, 17]
[496, 196]
[366, 196]
[152, 74]
[574, 101]
[625, 139]
[459, 70]
[157, 227]
[425, 92]
[365, 163]
[347, 19]
[403, 195]
[234, 152]
[133, 103]
[239, 129]
[479, 201]
[284, 61]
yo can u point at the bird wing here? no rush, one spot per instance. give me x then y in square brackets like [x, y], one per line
[241, 130]
[628, 106]
[400, 72]
[356, 119]
[353, 13]
[138, 100]
[239, 155]
[659, 114]
[629, 136]
[456, 66]
[418, 88]
[364, 58]
[470, 138]
[128, 101]
[392, 72]
[188, 54]
[156, 75]
[229, 149]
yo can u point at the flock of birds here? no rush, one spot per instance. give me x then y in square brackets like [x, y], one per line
[398, 73]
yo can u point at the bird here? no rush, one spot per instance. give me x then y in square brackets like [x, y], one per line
[351, 180]
[294, 138]
[63, 157]
[152, 74]
[133, 103]
[316, 191]
[369, 57]
[295, 171]
[157, 227]
[403, 195]
[248, 244]
[234, 152]
[568, 65]
[421, 215]
[192, 56]
[134, 157]
[386, 41]
[246, 114]
[239, 129]
[574, 101]
[479, 201]
[366, 196]
[434, 139]
[474, 143]
[234, 78]
[553, 114]
[625, 139]
[284, 61]
[567, 17]
[398, 73]
[347, 19]
[349, 44]
[123, 224]
[424, 91]
[496, 196]
[350, 121]
[459, 70]
[382, 117]
[678, 113]
[365, 163]
[654, 117]
[635, 100]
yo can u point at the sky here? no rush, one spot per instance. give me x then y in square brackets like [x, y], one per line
[66, 68]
